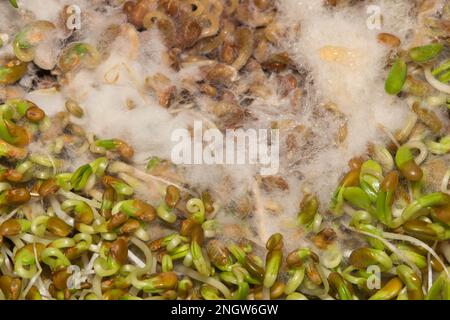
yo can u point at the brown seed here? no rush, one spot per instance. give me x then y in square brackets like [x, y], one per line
[275, 242]
[119, 250]
[125, 151]
[187, 226]
[263, 4]
[287, 84]
[117, 220]
[324, 238]
[228, 53]
[58, 227]
[11, 287]
[428, 117]
[208, 89]
[390, 181]
[108, 284]
[188, 33]
[274, 182]
[172, 196]
[10, 228]
[145, 211]
[35, 114]
[155, 244]
[17, 196]
[48, 187]
[130, 226]
[388, 39]
[217, 253]
[197, 234]
[355, 163]
[21, 135]
[52, 290]
[277, 62]
[33, 294]
[411, 171]
[165, 280]
[137, 11]
[442, 213]
[13, 175]
[74, 108]
[313, 274]
[59, 279]
[252, 266]
[221, 74]
[277, 290]
[72, 253]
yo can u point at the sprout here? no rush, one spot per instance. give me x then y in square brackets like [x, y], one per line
[412, 281]
[274, 257]
[343, 289]
[370, 178]
[196, 207]
[406, 164]
[165, 213]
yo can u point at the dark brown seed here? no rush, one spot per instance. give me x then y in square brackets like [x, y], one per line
[187, 226]
[172, 196]
[17, 196]
[313, 274]
[145, 212]
[58, 227]
[412, 171]
[48, 187]
[72, 253]
[11, 287]
[119, 250]
[117, 220]
[130, 226]
[10, 228]
[324, 238]
[197, 234]
[188, 33]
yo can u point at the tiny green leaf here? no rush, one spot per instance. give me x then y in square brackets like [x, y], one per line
[426, 53]
[396, 77]
[14, 3]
